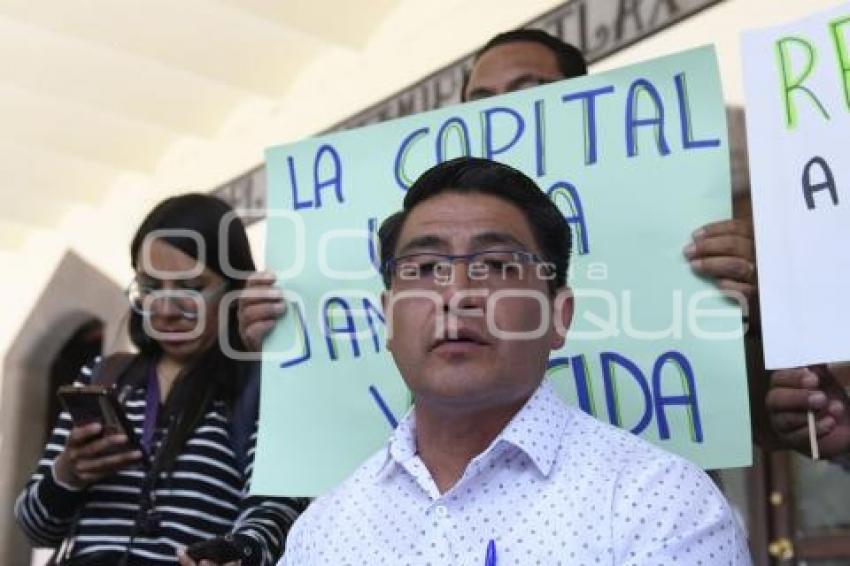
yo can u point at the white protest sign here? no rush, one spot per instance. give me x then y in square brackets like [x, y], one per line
[797, 81]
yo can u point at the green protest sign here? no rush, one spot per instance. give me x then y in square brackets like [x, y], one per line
[636, 158]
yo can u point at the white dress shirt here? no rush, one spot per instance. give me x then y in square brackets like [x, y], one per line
[555, 487]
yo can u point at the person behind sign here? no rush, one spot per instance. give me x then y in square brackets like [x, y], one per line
[490, 462]
[514, 60]
[723, 251]
[113, 504]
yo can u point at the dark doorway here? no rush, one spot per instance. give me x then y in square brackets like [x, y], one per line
[79, 351]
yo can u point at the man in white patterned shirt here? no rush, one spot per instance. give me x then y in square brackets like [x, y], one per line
[490, 467]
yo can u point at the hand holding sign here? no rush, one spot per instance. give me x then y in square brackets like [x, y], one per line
[260, 307]
[796, 392]
[797, 79]
[725, 251]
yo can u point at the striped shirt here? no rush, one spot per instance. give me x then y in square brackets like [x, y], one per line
[204, 496]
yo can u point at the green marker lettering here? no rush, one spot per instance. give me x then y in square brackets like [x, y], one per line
[839, 39]
[791, 83]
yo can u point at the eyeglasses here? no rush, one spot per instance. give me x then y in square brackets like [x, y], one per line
[144, 296]
[491, 267]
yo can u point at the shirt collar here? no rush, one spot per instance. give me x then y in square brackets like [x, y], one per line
[401, 447]
[536, 430]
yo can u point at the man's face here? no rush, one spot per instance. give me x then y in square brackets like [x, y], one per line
[510, 67]
[478, 339]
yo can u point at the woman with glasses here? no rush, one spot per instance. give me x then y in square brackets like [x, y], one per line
[179, 493]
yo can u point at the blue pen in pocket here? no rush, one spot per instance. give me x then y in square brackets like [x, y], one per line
[490, 557]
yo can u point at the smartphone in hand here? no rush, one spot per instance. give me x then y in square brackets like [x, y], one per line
[221, 550]
[98, 403]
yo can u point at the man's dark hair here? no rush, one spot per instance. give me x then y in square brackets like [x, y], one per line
[570, 60]
[474, 175]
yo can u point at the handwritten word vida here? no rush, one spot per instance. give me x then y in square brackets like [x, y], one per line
[344, 339]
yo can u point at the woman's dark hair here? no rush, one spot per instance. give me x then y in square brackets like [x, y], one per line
[475, 175]
[212, 375]
[570, 60]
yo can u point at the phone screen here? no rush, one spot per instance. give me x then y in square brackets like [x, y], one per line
[90, 404]
[85, 406]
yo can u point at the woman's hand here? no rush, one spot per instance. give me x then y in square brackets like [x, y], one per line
[89, 457]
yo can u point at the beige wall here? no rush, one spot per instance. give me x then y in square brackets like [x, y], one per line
[721, 26]
[76, 293]
[417, 38]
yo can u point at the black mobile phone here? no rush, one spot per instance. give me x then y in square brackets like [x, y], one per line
[220, 550]
[98, 403]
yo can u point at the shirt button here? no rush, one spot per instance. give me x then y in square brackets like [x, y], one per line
[441, 511]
